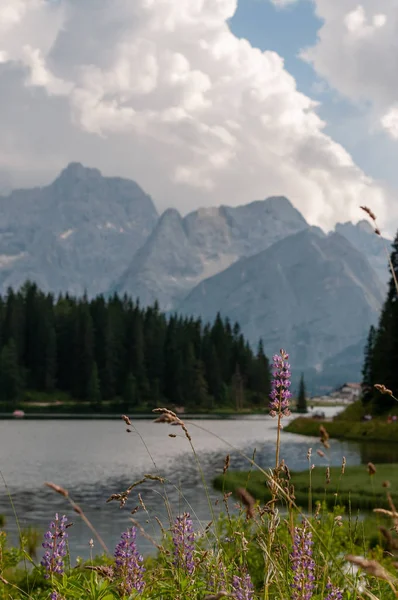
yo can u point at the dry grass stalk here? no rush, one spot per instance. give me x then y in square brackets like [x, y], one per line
[126, 419]
[248, 502]
[368, 212]
[57, 488]
[227, 463]
[371, 469]
[122, 497]
[149, 538]
[343, 465]
[103, 571]
[371, 567]
[171, 417]
[320, 453]
[327, 475]
[382, 389]
[79, 511]
[324, 437]
[388, 513]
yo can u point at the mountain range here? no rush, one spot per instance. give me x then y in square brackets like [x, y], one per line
[260, 264]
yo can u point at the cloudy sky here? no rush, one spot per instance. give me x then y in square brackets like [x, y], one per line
[207, 102]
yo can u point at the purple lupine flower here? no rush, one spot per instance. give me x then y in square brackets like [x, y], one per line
[128, 563]
[334, 592]
[55, 596]
[243, 587]
[280, 393]
[183, 540]
[55, 546]
[303, 564]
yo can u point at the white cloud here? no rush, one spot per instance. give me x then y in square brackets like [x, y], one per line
[283, 3]
[163, 92]
[357, 54]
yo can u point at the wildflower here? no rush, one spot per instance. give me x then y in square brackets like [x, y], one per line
[128, 563]
[183, 540]
[280, 393]
[303, 564]
[55, 546]
[334, 592]
[243, 587]
[55, 596]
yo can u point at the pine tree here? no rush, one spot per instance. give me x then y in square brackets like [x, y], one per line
[130, 393]
[11, 382]
[94, 388]
[385, 350]
[302, 399]
[367, 369]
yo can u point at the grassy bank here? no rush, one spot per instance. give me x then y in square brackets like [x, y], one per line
[375, 431]
[356, 488]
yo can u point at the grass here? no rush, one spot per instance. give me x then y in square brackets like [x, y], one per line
[375, 430]
[244, 553]
[355, 489]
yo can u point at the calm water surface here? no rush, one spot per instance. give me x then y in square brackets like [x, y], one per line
[94, 459]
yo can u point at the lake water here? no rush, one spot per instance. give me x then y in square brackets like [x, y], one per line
[93, 459]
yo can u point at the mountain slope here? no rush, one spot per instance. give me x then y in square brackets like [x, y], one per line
[181, 252]
[74, 234]
[374, 247]
[312, 294]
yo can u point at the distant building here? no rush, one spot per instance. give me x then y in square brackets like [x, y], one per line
[348, 391]
[345, 394]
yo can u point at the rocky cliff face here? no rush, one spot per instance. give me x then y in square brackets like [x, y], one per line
[259, 264]
[311, 293]
[374, 247]
[74, 234]
[181, 252]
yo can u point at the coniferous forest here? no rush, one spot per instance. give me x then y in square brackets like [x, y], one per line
[102, 350]
[381, 352]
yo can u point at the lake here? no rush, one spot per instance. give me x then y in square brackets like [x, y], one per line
[96, 458]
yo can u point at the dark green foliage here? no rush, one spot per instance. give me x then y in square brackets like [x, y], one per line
[112, 350]
[367, 369]
[94, 389]
[381, 352]
[301, 398]
[10, 372]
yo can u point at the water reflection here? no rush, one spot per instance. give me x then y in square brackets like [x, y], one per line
[95, 459]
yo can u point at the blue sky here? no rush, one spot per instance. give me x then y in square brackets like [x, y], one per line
[287, 30]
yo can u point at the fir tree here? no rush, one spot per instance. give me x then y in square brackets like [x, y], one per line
[130, 393]
[385, 350]
[302, 399]
[94, 389]
[10, 373]
[367, 369]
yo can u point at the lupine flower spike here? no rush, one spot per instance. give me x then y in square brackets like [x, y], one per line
[128, 563]
[183, 540]
[280, 394]
[334, 593]
[303, 564]
[243, 587]
[55, 546]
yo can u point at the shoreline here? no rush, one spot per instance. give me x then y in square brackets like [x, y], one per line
[372, 431]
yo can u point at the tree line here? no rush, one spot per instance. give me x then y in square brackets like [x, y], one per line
[381, 352]
[112, 349]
